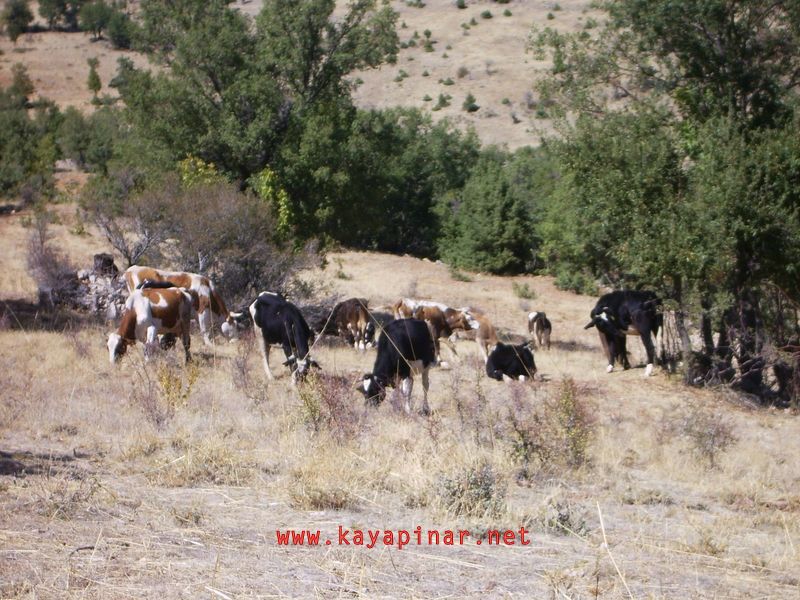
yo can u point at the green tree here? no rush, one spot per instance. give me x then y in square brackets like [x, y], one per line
[16, 17]
[120, 30]
[93, 82]
[52, 11]
[488, 225]
[712, 57]
[94, 17]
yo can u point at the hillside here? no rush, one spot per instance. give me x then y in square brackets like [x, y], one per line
[141, 479]
[488, 60]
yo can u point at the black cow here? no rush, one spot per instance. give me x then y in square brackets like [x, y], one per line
[281, 323]
[626, 313]
[510, 362]
[153, 284]
[405, 348]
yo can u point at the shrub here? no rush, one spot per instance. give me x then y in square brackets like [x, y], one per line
[523, 290]
[506, 13]
[461, 3]
[550, 16]
[474, 491]
[327, 404]
[120, 30]
[709, 432]
[94, 17]
[426, 98]
[442, 102]
[447, 81]
[462, 72]
[580, 282]
[550, 434]
[16, 17]
[469, 104]
[505, 101]
[487, 14]
[159, 392]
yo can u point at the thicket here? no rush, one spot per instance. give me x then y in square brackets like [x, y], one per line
[692, 188]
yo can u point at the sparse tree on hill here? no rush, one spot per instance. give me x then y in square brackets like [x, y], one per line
[94, 83]
[16, 17]
[94, 17]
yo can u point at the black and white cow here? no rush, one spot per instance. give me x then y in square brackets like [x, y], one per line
[405, 348]
[507, 362]
[626, 313]
[280, 322]
[540, 328]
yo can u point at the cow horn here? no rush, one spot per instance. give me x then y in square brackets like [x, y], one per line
[591, 323]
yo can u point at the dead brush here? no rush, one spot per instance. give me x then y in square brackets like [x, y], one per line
[551, 433]
[18, 395]
[477, 490]
[325, 479]
[327, 404]
[477, 417]
[59, 496]
[709, 432]
[208, 459]
[254, 389]
[161, 389]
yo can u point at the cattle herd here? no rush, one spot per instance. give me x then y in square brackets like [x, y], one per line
[161, 305]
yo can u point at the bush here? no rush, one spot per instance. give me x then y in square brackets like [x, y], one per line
[462, 72]
[16, 17]
[461, 3]
[469, 104]
[487, 14]
[94, 17]
[523, 290]
[580, 282]
[120, 30]
[474, 491]
[550, 434]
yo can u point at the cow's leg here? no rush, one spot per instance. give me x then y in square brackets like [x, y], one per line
[151, 341]
[546, 337]
[506, 378]
[205, 321]
[647, 340]
[187, 340]
[426, 410]
[482, 345]
[622, 351]
[405, 389]
[608, 349]
[264, 351]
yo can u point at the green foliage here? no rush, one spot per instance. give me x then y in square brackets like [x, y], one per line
[61, 12]
[94, 17]
[93, 82]
[523, 290]
[487, 14]
[442, 102]
[120, 30]
[265, 185]
[90, 141]
[489, 224]
[15, 17]
[27, 149]
[469, 104]
[461, 3]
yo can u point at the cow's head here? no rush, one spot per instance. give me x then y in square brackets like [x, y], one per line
[369, 334]
[458, 320]
[117, 346]
[233, 322]
[300, 367]
[374, 391]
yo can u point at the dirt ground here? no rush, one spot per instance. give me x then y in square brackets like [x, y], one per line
[144, 480]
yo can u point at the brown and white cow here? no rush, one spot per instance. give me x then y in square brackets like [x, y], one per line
[485, 333]
[151, 312]
[210, 307]
[540, 328]
[442, 327]
[350, 319]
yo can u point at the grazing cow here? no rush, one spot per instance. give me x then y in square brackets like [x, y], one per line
[210, 307]
[350, 320]
[540, 328]
[150, 312]
[486, 335]
[507, 362]
[405, 348]
[626, 313]
[441, 327]
[281, 323]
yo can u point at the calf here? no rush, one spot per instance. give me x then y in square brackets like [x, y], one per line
[510, 362]
[626, 313]
[405, 348]
[148, 313]
[210, 308]
[540, 328]
[281, 323]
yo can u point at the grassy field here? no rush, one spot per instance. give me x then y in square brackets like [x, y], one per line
[144, 480]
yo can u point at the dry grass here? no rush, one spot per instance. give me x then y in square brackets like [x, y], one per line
[101, 499]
